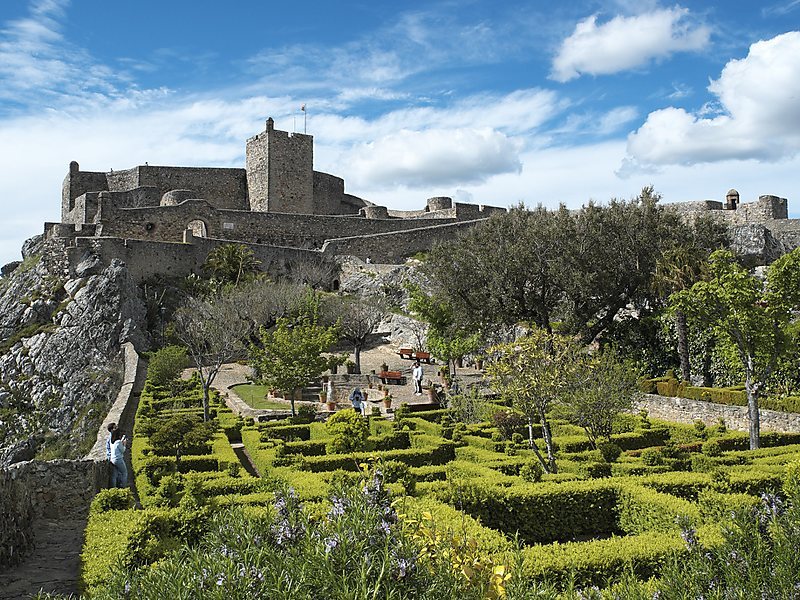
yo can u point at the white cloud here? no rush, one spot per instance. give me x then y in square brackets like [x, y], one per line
[433, 157]
[624, 43]
[756, 115]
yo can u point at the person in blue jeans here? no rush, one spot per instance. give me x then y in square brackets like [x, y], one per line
[119, 472]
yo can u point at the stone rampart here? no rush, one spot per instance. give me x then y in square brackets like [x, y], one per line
[56, 489]
[684, 410]
[167, 223]
[394, 247]
[147, 259]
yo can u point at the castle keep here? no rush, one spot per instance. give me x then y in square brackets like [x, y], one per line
[166, 219]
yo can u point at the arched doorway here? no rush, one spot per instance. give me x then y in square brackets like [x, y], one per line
[198, 228]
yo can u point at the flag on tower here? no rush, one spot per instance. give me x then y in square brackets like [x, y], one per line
[303, 108]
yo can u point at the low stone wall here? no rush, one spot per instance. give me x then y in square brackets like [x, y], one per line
[61, 489]
[56, 489]
[122, 410]
[684, 410]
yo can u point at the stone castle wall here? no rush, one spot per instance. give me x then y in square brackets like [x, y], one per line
[224, 188]
[146, 259]
[394, 247]
[684, 410]
[167, 223]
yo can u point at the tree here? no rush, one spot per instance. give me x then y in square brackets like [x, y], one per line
[603, 386]
[678, 269]
[357, 317]
[754, 316]
[289, 356]
[232, 263]
[166, 364]
[448, 337]
[534, 372]
[180, 434]
[213, 334]
[506, 270]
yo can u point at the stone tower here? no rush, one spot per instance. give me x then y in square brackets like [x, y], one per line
[280, 171]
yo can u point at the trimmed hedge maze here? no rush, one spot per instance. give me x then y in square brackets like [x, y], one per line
[589, 524]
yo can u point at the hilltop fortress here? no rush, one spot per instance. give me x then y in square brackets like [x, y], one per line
[165, 220]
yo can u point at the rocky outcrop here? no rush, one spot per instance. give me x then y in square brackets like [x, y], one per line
[755, 244]
[60, 360]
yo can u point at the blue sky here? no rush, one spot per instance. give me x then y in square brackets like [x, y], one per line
[488, 101]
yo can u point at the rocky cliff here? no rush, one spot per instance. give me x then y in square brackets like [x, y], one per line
[60, 363]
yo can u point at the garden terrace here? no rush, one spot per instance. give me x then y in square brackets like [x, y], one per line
[588, 524]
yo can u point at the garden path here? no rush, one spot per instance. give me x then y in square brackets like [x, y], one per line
[54, 564]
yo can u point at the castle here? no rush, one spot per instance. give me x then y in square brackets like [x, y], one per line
[165, 220]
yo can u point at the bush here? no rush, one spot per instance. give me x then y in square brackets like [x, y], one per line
[712, 448]
[165, 365]
[532, 472]
[652, 457]
[395, 471]
[509, 423]
[596, 470]
[112, 499]
[288, 433]
[349, 430]
[610, 451]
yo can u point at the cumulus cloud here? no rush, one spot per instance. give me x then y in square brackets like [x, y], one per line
[624, 43]
[434, 157]
[756, 114]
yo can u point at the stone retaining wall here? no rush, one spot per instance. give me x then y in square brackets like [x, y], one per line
[684, 410]
[56, 489]
[60, 489]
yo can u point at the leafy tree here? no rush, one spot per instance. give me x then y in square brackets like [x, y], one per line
[166, 364]
[534, 373]
[349, 430]
[180, 434]
[678, 269]
[448, 337]
[357, 317]
[754, 316]
[213, 334]
[232, 263]
[506, 270]
[289, 356]
[602, 387]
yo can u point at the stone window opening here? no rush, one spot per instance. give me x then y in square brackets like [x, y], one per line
[198, 228]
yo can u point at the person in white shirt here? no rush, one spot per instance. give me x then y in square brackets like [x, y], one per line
[119, 472]
[417, 374]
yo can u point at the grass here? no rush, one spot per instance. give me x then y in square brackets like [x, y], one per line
[255, 396]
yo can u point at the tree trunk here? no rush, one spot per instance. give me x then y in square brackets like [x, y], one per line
[752, 405]
[535, 449]
[357, 356]
[707, 380]
[206, 402]
[683, 344]
[293, 394]
[548, 442]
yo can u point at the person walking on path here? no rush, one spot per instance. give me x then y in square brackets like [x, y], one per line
[417, 374]
[357, 398]
[119, 472]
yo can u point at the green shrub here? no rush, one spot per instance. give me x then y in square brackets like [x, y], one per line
[643, 510]
[610, 451]
[532, 471]
[540, 513]
[652, 456]
[285, 432]
[439, 455]
[596, 470]
[395, 471]
[349, 430]
[712, 448]
[166, 365]
[112, 499]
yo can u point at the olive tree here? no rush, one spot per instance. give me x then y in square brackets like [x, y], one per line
[755, 316]
[534, 372]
